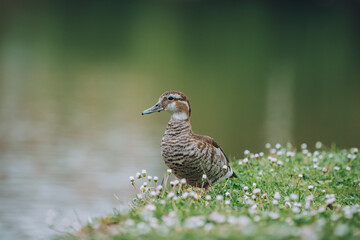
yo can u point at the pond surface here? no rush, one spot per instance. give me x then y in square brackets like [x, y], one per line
[74, 80]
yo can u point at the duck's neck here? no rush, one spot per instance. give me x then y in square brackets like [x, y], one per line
[180, 116]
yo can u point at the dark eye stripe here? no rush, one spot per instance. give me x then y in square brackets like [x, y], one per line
[170, 98]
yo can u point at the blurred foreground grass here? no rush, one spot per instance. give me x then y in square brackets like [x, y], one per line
[280, 195]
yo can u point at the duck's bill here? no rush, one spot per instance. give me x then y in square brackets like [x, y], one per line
[156, 108]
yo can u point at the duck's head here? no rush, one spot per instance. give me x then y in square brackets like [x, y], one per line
[174, 102]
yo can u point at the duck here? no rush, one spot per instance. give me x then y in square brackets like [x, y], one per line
[196, 158]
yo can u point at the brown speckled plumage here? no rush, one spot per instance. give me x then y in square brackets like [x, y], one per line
[189, 155]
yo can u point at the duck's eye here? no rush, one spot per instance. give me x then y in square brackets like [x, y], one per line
[170, 98]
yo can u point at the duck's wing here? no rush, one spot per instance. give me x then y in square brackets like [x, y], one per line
[211, 141]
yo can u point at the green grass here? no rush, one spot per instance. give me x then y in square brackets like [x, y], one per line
[328, 210]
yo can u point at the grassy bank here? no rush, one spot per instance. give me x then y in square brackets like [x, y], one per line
[281, 194]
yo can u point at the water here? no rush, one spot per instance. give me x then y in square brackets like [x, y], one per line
[74, 80]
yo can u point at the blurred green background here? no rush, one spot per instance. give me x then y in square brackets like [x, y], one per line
[75, 76]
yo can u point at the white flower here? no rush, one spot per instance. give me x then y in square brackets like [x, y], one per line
[294, 196]
[139, 196]
[143, 172]
[208, 197]
[277, 195]
[309, 198]
[240, 162]
[267, 145]
[310, 187]
[257, 191]
[156, 179]
[296, 210]
[254, 184]
[132, 179]
[246, 152]
[246, 160]
[185, 195]
[153, 193]
[261, 154]
[278, 146]
[279, 162]
[224, 168]
[227, 194]
[315, 160]
[273, 151]
[176, 182]
[290, 154]
[275, 202]
[300, 175]
[297, 204]
[204, 177]
[336, 168]
[318, 144]
[227, 202]
[183, 181]
[159, 187]
[321, 209]
[219, 198]
[257, 218]
[256, 155]
[348, 168]
[315, 166]
[169, 171]
[150, 207]
[149, 178]
[304, 146]
[246, 188]
[170, 195]
[288, 204]
[273, 215]
[217, 217]
[138, 175]
[354, 150]
[324, 169]
[253, 196]
[330, 200]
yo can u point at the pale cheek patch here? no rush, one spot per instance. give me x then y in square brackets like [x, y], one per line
[175, 95]
[171, 107]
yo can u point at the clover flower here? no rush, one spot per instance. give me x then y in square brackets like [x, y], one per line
[132, 179]
[204, 177]
[300, 175]
[143, 172]
[303, 146]
[246, 188]
[246, 152]
[310, 187]
[227, 202]
[294, 196]
[257, 191]
[169, 171]
[267, 145]
[138, 175]
[277, 195]
[246, 160]
[348, 168]
[183, 181]
[336, 168]
[156, 179]
[219, 198]
[149, 178]
[224, 168]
